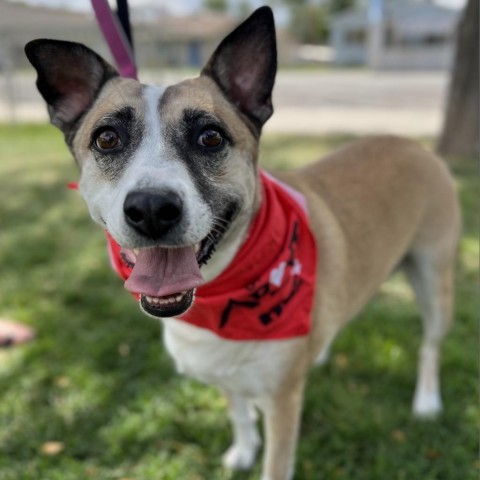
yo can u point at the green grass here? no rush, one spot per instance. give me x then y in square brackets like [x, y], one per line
[98, 380]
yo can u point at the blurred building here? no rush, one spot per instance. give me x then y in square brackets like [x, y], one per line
[179, 41]
[397, 35]
[20, 23]
[160, 38]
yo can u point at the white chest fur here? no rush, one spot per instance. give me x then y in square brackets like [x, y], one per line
[250, 368]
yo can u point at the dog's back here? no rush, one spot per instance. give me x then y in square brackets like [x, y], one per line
[387, 197]
[377, 205]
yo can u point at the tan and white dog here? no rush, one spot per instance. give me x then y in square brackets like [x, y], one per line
[177, 167]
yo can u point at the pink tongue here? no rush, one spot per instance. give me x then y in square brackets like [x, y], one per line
[164, 271]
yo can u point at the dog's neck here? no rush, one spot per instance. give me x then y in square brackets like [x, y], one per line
[225, 252]
[233, 239]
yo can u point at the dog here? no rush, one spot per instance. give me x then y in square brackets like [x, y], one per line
[172, 174]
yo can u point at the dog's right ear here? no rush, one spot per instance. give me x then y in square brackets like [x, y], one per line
[70, 77]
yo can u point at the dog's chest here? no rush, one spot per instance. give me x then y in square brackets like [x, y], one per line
[250, 368]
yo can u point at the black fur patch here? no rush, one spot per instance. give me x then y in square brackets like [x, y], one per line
[205, 165]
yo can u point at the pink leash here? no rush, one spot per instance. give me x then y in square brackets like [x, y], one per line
[116, 38]
[122, 53]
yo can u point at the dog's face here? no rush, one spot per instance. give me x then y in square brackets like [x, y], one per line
[167, 171]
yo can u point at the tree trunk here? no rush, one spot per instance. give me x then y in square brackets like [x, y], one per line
[460, 134]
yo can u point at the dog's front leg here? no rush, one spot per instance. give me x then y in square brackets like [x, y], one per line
[246, 440]
[282, 420]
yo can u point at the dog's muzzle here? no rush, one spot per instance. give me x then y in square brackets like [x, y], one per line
[165, 277]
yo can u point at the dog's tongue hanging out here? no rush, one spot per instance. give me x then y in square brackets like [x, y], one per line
[164, 271]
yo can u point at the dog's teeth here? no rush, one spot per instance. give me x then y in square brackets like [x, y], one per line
[197, 248]
[171, 299]
[136, 251]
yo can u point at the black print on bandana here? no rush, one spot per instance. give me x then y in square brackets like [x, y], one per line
[289, 273]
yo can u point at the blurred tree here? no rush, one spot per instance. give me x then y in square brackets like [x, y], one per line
[460, 133]
[309, 24]
[294, 3]
[335, 6]
[244, 9]
[309, 19]
[216, 5]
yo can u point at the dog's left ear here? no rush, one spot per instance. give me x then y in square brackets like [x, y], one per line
[244, 66]
[70, 76]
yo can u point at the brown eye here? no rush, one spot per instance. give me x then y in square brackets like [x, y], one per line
[107, 139]
[210, 139]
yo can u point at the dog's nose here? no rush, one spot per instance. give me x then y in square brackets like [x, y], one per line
[153, 214]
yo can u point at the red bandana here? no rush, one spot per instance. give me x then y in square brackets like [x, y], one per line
[267, 290]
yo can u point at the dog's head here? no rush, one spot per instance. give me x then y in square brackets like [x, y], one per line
[167, 171]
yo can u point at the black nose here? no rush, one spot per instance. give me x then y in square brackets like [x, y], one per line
[153, 214]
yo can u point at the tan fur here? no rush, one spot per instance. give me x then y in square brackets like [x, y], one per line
[375, 205]
[372, 203]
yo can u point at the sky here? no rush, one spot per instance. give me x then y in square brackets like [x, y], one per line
[179, 7]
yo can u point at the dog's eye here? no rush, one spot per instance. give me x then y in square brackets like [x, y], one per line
[210, 138]
[107, 139]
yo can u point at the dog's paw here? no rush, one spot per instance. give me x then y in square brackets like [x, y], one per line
[240, 457]
[427, 405]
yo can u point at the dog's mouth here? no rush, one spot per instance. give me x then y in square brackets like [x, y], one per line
[169, 305]
[166, 277]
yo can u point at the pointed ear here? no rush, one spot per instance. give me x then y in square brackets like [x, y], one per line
[70, 76]
[244, 66]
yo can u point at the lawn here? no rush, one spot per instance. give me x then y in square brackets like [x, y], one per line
[95, 396]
